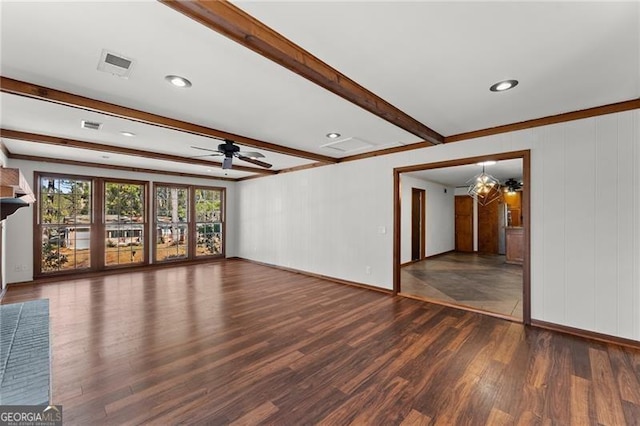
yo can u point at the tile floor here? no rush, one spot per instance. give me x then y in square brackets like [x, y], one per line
[480, 281]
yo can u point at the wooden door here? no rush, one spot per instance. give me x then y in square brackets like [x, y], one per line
[417, 223]
[488, 227]
[464, 223]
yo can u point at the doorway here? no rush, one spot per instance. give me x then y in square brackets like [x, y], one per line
[467, 251]
[464, 223]
[417, 223]
[488, 227]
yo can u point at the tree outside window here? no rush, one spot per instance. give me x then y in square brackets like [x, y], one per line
[81, 232]
[124, 218]
[65, 223]
[172, 222]
[208, 221]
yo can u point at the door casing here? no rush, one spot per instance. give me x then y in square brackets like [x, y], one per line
[525, 155]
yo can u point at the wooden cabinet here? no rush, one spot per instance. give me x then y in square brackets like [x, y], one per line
[515, 245]
[514, 208]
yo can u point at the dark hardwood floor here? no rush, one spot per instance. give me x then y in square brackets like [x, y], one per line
[239, 343]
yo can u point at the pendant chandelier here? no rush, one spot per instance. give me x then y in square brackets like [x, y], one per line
[484, 188]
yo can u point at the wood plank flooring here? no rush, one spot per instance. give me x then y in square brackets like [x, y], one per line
[239, 343]
[481, 281]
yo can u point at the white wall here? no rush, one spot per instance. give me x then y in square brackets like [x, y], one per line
[439, 215]
[3, 277]
[334, 220]
[19, 226]
[586, 231]
[585, 218]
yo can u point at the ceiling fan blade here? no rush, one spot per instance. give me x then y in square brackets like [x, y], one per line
[251, 154]
[254, 161]
[204, 149]
[217, 154]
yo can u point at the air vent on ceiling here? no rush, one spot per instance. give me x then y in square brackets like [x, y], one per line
[348, 144]
[115, 63]
[93, 125]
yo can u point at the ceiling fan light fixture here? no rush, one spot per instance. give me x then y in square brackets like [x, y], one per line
[504, 85]
[178, 81]
[227, 163]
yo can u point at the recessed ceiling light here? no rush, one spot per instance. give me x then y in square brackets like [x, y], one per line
[333, 135]
[178, 81]
[501, 86]
[209, 170]
[129, 134]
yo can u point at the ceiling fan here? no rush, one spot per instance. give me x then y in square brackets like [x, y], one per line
[229, 150]
[513, 185]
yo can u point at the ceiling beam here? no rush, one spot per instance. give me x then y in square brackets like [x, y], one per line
[232, 22]
[545, 121]
[71, 143]
[114, 167]
[33, 91]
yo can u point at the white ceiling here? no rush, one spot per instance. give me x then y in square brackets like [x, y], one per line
[57, 120]
[434, 61]
[462, 176]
